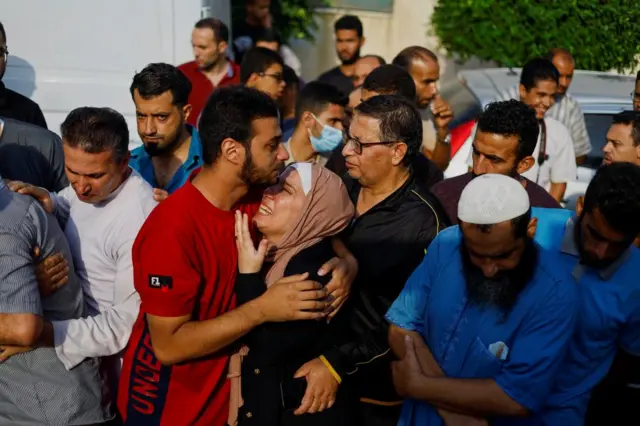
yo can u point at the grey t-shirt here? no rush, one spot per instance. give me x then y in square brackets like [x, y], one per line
[31, 154]
[35, 388]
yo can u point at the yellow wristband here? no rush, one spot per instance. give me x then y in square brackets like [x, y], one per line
[333, 372]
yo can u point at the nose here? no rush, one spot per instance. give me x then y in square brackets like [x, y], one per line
[149, 127]
[348, 150]
[282, 154]
[82, 185]
[547, 101]
[489, 269]
[607, 148]
[600, 250]
[480, 165]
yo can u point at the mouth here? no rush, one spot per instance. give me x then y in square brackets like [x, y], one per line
[264, 210]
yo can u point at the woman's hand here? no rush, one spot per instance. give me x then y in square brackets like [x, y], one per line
[250, 260]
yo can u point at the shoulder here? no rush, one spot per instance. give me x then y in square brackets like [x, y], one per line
[328, 74]
[448, 241]
[452, 185]
[136, 200]
[310, 260]
[21, 100]
[540, 197]
[551, 215]
[171, 216]
[552, 279]
[31, 134]
[136, 153]
[188, 67]
[427, 203]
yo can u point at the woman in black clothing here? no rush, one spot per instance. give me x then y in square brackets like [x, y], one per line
[297, 218]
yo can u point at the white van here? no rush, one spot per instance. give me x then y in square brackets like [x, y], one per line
[65, 54]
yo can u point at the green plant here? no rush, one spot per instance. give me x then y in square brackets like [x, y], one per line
[601, 34]
[291, 18]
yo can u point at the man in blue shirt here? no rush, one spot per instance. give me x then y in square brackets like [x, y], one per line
[596, 248]
[483, 324]
[171, 148]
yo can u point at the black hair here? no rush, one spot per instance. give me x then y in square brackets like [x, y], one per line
[3, 33]
[220, 30]
[349, 22]
[290, 77]
[380, 59]
[399, 121]
[630, 118]
[155, 79]
[537, 70]
[391, 80]
[258, 60]
[96, 130]
[268, 35]
[615, 192]
[316, 96]
[229, 113]
[512, 118]
[413, 53]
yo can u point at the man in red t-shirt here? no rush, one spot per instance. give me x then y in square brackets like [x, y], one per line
[185, 261]
[211, 68]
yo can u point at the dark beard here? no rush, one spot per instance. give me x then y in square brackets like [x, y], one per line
[352, 60]
[501, 291]
[154, 150]
[250, 174]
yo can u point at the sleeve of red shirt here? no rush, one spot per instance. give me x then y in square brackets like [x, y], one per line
[164, 275]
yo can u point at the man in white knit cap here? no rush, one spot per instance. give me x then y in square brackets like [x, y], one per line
[482, 325]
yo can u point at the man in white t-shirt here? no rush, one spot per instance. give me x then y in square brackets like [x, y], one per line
[554, 153]
[101, 212]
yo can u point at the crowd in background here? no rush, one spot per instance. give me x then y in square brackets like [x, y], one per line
[282, 252]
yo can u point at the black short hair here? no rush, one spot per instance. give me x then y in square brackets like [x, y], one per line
[229, 113]
[3, 33]
[349, 22]
[630, 118]
[290, 77]
[380, 59]
[96, 130]
[512, 118]
[413, 53]
[316, 96]
[268, 35]
[155, 79]
[219, 28]
[258, 60]
[391, 80]
[537, 70]
[399, 121]
[615, 192]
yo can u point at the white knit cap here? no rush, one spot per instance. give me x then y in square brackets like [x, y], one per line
[490, 199]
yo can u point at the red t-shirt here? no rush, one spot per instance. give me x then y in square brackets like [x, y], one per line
[201, 86]
[184, 262]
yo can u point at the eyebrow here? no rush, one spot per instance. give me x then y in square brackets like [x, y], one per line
[488, 156]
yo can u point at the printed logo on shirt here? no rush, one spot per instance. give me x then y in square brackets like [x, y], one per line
[162, 282]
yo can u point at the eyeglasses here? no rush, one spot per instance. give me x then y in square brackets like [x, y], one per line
[357, 145]
[4, 53]
[277, 77]
[635, 95]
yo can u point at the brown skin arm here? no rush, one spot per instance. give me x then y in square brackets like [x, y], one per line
[557, 191]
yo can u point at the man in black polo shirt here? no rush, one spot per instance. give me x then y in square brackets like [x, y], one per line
[396, 220]
[13, 104]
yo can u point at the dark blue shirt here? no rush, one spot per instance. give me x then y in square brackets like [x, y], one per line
[141, 162]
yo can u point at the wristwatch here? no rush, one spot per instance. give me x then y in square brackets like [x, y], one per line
[446, 140]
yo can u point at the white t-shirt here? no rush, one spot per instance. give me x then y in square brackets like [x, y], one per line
[101, 238]
[558, 167]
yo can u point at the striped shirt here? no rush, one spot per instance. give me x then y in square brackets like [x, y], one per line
[35, 388]
[567, 111]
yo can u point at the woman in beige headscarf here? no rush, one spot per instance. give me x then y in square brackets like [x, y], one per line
[297, 218]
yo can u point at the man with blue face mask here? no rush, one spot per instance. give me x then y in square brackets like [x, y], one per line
[318, 131]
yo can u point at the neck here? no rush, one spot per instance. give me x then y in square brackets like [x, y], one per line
[217, 68]
[222, 188]
[300, 145]
[348, 70]
[375, 193]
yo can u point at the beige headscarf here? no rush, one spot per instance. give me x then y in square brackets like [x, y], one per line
[327, 211]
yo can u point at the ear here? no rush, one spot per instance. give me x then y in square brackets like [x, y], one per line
[233, 151]
[532, 227]
[580, 205]
[307, 120]
[253, 79]
[522, 91]
[222, 46]
[399, 152]
[362, 41]
[525, 164]
[186, 111]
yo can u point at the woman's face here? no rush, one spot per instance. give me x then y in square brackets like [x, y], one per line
[281, 206]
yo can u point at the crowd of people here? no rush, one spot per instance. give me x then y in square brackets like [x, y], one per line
[286, 253]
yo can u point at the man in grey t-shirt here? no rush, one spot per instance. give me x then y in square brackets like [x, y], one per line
[35, 387]
[31, 154]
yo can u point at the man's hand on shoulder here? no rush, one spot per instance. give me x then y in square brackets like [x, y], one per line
[40, 194]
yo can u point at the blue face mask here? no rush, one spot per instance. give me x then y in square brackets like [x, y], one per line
[329, 139]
